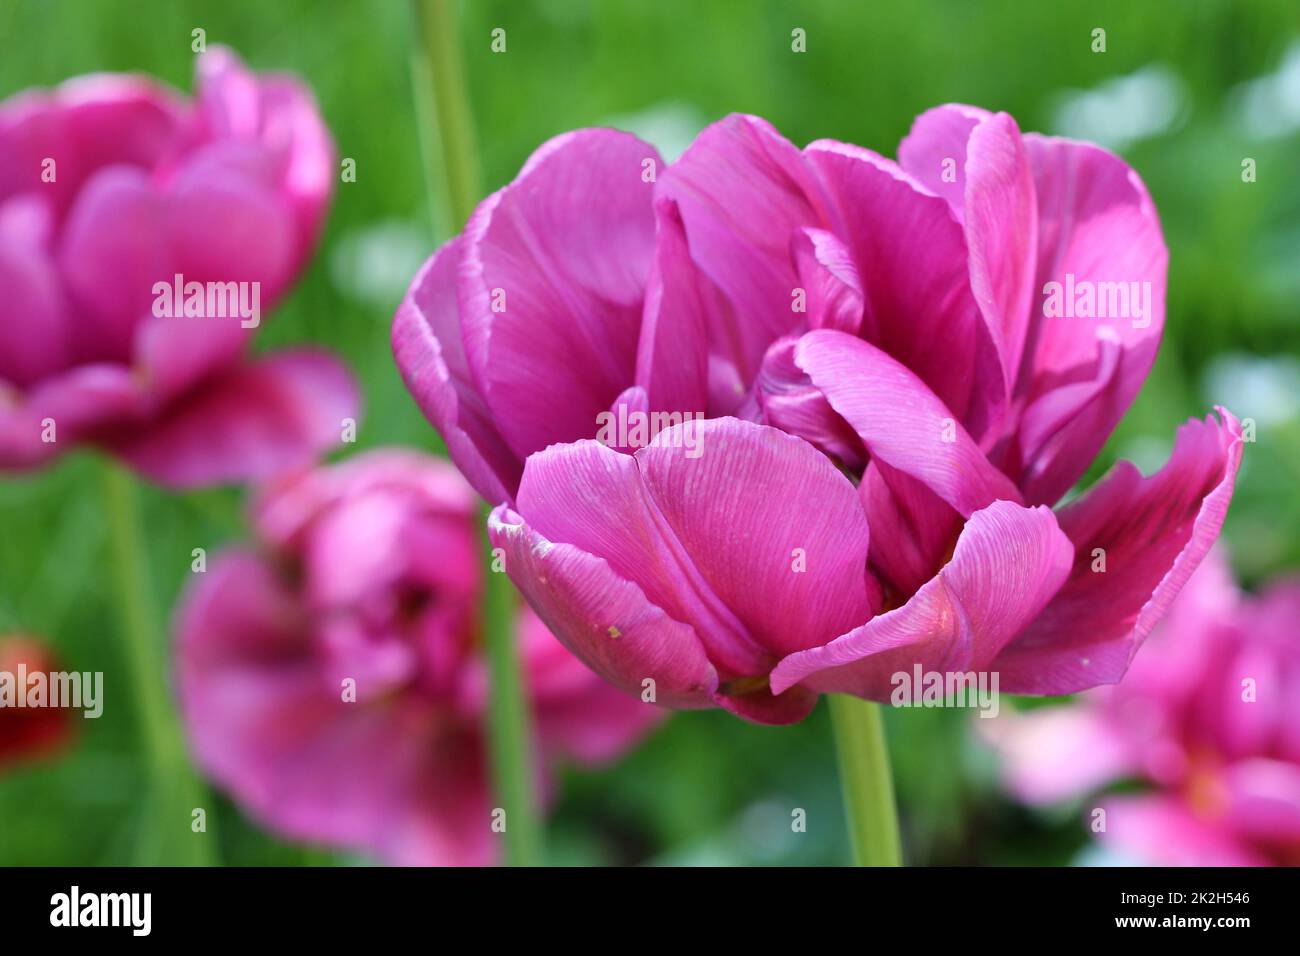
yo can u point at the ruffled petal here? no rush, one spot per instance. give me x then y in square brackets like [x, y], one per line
[1152, 533]
[743, 191]
[1008, 563]
[900, 420]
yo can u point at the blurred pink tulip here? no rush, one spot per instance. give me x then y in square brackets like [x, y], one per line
[902, 366]
[115, 191]
[333, 681]
[1208, 717]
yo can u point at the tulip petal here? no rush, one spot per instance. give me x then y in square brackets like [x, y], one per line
[1097, 225]
[1263, 800]
[30, 733]
[113, 249]
[1152, 533]
[764, 707]
[934, 151]
[177, 353]
[772, 526]
[593, 498]
[283, 509]
[912, 529]
[757, 541]
[255, 708]
[447, 830]
[978, 163]
[900, 420]
[1008, 563]
[227, 223]
[1001, 220]
[673, 350]
[578, 715]
[87, 124]
[431, 358]
[552, 276]
[1054, 409]
[830, 279]
[1273, 615]
[258, 419]
[743, 191]
[300, 759]
[278, 114]
[788, 400]
[603, 618]
[912, 257]
[36, 332]
[294, 127]
[81, 405]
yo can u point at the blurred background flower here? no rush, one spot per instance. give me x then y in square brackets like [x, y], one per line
[112, 184]
[704, 787]
[334, 681]
[1207, 718]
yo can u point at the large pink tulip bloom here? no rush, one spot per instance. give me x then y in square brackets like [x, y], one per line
[1208, 717]
[112, 184]
[893, 404]
[367, 585]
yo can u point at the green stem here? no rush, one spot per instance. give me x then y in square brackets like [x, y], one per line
[866, 781]
[445, 119]
[174, 790]
[509, 725]
[451, 167]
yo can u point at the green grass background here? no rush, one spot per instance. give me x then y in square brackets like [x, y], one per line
[708, 788]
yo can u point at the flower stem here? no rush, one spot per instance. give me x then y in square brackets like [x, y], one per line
[174, 789]
[509, 726]
[445, 119]
[866, 781]
[451, 168]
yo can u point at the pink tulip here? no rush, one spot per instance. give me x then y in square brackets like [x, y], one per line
[332, 680]
[114, 191]
[894, 394]
[1208, 717]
